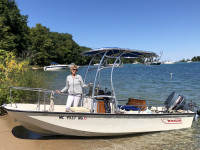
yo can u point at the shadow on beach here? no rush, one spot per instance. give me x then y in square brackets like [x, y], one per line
[22, 133]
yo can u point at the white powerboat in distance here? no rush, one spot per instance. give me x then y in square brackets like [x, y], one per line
[55, 66]
[155, 63]
[99, 113]
[169, 62]
[154, 60]
[136, 62]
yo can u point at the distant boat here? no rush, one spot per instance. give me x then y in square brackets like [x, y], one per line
[155, 63]
[55, 66]
[153, 60]
[189, 61]
[136, 62]
[116, 65]
[169, 62]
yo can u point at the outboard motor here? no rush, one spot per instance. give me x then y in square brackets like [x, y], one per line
[175, 101]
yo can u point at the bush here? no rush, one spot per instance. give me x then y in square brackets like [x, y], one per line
[17, 73]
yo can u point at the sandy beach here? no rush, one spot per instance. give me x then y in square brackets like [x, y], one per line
[8, 141]
[12, 137]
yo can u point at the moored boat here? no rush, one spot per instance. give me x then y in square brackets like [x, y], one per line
[55, 66]
[155, 63]
[83, 123]
[99, 113]
[155, 60]
[169, 62]
[136, 62]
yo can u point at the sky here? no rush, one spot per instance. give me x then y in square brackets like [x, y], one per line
[170, 26]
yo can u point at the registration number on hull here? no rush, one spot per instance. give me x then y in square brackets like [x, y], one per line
[73, 117]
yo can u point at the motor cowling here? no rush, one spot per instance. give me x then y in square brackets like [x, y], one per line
[175, 101]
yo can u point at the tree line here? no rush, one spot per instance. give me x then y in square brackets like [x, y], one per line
[196, 59]
[37, 44]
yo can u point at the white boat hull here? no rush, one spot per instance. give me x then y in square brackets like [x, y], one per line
[55, 67]
[169, 62]
[87, 124]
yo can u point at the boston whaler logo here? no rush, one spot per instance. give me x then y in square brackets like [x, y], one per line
[172, 121]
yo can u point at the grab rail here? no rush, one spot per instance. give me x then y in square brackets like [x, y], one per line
[39, 90]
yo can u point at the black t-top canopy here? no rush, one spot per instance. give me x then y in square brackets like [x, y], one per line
[115, 51]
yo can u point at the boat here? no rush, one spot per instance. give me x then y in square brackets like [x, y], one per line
[169, 62]
[155, 60]
[155, 63]
[151, 61]
[116, 65]
[55, 66]
[136, 62]
[99, 113]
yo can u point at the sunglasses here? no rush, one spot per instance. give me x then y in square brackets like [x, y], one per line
[74, 69]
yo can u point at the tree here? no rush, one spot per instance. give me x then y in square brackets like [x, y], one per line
[197, 58]
[63, 45]
[41, 45]
[38, 44]
[14, 31]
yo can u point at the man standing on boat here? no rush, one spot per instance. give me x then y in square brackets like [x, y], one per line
[74, 85]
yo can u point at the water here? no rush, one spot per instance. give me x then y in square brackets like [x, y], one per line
[149, 83]
[144, 82]
[138, 81]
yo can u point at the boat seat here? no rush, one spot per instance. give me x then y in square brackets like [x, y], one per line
[79, 109]
[137, 103]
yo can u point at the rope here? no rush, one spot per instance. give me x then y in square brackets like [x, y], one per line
[51, 107]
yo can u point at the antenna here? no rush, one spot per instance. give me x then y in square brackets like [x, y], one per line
[171, 76]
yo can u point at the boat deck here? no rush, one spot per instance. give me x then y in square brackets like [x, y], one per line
[61, 108]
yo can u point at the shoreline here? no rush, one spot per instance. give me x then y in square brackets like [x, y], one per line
[36, 67]
[12, 137]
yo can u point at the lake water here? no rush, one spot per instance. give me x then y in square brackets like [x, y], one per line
[146, 82]
[150, 83]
